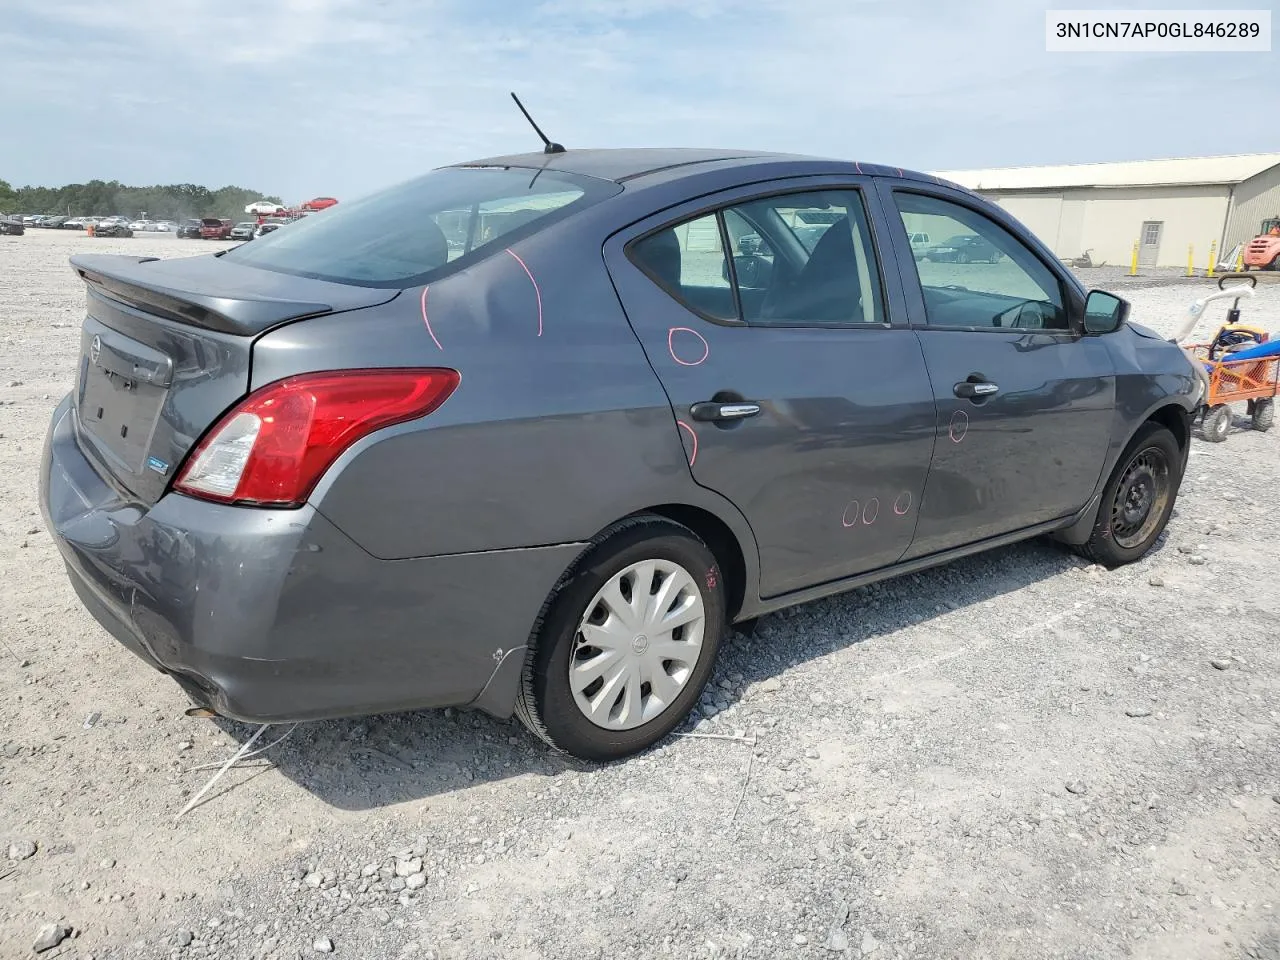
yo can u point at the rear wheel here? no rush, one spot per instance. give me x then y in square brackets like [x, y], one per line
[1217, 423]
[1137, 500]
[1264, 414]
[625, 643]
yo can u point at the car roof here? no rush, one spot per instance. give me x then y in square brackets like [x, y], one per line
[632, 163]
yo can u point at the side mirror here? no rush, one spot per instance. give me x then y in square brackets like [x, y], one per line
[1104, 312]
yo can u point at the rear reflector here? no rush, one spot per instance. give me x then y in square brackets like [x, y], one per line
[272, 448]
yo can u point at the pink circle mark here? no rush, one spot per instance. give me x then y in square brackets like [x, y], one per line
[902, 510]
[671, 347]
[959, 426]
[844, 519]
[873, 502]
[692, 436]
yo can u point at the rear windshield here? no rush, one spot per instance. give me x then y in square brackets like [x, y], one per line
[418, 231]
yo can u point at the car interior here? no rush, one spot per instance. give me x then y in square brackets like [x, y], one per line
[787, 270]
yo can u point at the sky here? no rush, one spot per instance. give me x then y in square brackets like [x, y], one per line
[301, 98]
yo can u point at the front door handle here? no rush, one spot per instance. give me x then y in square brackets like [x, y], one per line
[969, 390]
[711, 410]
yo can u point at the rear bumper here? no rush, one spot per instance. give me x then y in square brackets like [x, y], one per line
[275, 615]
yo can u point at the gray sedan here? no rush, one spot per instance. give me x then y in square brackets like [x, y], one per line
[528, 434]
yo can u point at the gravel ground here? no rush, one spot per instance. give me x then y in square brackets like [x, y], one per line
[1017, 755]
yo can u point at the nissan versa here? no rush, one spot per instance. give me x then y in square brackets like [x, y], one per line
[526, 434]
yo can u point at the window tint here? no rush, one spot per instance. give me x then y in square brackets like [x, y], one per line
[797, 259]
[981, 275]
[821, 268]
[688, 261]
[412, 232]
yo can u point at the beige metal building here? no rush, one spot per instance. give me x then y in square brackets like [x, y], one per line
[1165, 205]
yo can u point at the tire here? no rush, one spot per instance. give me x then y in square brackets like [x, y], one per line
[1217, 423]
[1264, 414]
[547, 703]
[1137, 499]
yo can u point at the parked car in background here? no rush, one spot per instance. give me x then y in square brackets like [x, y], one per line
[300, 415]
[963, 248]
[141, 226]
[11, 226]
[268, 226]
[919, 243]
[189, 229]
[243, 230]
[112, 227]
[53, 223]
[164, 226]
[212, 228]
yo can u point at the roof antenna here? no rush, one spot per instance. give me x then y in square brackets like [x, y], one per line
[549, 146]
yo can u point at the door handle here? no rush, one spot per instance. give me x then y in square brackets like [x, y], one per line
[710, 410]
[968, 389]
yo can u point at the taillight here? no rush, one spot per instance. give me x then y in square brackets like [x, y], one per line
[272, 447]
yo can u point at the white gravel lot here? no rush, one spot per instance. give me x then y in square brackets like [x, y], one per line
[1016, 756]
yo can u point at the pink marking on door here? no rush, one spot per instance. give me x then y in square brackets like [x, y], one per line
[671, 347]
[692, 436]
[959, 426]
[856, 508]
[424, 317]
[903, 503]
[536, 292]
[874, 506]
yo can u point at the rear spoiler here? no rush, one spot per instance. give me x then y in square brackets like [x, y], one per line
[207, 292]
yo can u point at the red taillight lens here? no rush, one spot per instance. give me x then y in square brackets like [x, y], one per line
[272, 447]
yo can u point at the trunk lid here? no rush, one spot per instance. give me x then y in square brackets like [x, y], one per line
[166, 347]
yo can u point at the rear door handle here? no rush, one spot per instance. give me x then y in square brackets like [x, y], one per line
[968, 390]
[710, 410]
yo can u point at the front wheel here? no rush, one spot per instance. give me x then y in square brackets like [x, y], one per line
[1137, 500]
[1217, 423]
[626, 642]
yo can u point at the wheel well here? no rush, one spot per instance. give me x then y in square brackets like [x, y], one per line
[720, 539]
[1176, 421]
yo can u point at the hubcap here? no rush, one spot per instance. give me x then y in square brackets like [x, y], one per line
[1140, 498]
[637, 645]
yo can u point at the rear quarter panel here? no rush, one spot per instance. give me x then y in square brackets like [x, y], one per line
[558, 427]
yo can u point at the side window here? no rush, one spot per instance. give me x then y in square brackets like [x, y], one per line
[793, 259]
[688, 261]
[975, 273]
[817, 265]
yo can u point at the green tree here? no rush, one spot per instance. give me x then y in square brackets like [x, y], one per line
[105, 198]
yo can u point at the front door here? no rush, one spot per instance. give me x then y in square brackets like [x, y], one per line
[797, 388]
[1025, 400]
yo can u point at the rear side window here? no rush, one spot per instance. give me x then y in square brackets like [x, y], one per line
[421, 230]
[795, 259]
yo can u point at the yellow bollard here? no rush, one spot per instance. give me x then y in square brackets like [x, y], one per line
[1213, 256]
[1240, 260]
[1133, 263]
[1191, 260]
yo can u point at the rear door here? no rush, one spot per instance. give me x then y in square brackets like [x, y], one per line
[1025, 399]
[798, 389]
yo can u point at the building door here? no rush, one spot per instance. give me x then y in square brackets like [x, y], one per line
[1149, 247]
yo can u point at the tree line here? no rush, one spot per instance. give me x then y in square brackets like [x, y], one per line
[173, 201]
